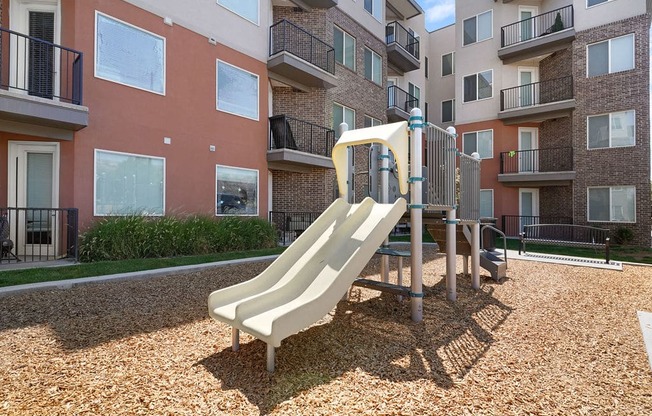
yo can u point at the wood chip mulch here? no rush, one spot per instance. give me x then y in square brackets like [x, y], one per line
[548, 340]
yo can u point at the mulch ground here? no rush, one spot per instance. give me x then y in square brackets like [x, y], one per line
[548, 340]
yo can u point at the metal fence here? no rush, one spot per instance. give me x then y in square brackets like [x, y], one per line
[543, 92]
[512, 225]
[38, 234]
[567, 232]
[401, 99]
[557, 159]
[290, 133]
[537, 26]
[290, 225]
[288, 37]
[40, 68]
[440, 161]
[396, 33]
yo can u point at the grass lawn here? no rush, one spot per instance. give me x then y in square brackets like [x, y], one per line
[47, 274]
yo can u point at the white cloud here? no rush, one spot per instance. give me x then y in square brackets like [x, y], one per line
[439, 12]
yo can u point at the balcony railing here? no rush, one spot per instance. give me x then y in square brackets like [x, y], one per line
[401, 99]
[513, 224]
[396, 33]
[288, 37]
[38, 234]
[290, 225]
[290, 133]
[557, 159]
[537, 26]
[537, 93]
[40, 68]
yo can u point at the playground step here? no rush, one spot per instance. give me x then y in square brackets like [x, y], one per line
[392, 252]
[493, 264]
[382, 286]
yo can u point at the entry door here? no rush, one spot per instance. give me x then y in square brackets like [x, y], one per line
[528, 207]
[528, 155]
[34, 64]
[527, 24]
[527, 78]
[34, 183]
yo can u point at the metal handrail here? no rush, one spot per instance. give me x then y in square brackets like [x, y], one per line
[492, 228]
[536, 93]
[287, 36]
[396, 33]
[554, 159]
[40, 68]
[537, 26]
[292, 133]
[289, 225]
[401, 99]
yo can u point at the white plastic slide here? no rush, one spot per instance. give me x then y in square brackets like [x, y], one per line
[305, 282]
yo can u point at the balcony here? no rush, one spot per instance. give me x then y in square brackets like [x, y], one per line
[537, 102]
[538, 35]
[402, 48]
[308, 5]
[40, 87]
[297, 145]
[537, 167]
[399, 104]
[299, 59]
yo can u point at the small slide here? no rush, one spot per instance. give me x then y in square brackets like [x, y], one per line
[311, 276]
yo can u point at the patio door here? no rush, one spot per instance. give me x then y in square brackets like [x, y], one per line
[527, 78]
[528, 155]
[527, 25]
[34, 183]
[528, 207]
[34, 64]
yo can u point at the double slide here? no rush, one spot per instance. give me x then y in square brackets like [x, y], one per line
[311, 276]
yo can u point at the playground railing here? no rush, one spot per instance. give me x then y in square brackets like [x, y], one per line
[441, 152]
[469, 206]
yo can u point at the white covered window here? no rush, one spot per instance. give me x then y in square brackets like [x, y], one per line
[236, 191]
[129, 184]
[479, 141]
[248, 9]
[478, 28]
[611, 130]
[612, 204]
[375, 8]
[478, 86]
[448, 64]
[486, 203]
[344, 45]
[373, 66]
[342, 114]
[237, 91]
[612, 55]
[129, 55]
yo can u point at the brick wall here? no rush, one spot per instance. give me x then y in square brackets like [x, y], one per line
[628, 90]
[556, 201]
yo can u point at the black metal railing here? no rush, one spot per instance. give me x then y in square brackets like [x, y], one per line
[401, 99]
[537, 26]
[556, 159]
[40, 68]
[290, 225]
[291, 133]
[544, 92]
[288, 37]
[39, 234]
[396, 33]
[512, 225]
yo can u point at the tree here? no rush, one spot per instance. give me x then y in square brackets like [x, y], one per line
[558, 25]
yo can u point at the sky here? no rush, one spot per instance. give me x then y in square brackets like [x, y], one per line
[439, 13]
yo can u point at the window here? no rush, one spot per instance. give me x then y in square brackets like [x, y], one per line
[426, 69]
[612, 204]
[128, 184]
[486, 203]
[371, 122]
[448, 64]
[342, 114]
[373, 69]
[448, 111]
[613, 55]
[478, 86]
[237, 91]
[374, 7]
[236, 191]
[611, 130]
[247, 9]
[590, 3]
[478, 28]
[414, 91]
[344, 48]
[129, 55]
[479, 141]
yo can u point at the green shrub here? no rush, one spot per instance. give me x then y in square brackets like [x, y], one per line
[558, 25]
[623, 235]
[134, 237]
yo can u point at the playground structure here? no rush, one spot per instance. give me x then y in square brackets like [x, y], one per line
[305, 282]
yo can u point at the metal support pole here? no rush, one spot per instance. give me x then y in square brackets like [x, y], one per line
[416, 215]
[399, 280]
[451, 255]
[345, 193]
[271, 354]
[384, 199]
[235, 339]
[475, 255]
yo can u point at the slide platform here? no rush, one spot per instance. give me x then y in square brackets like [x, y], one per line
[311, 276]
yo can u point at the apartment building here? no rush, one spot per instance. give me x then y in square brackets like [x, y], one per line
[554, 95]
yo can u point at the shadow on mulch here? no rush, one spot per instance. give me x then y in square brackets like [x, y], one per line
[375, 336]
